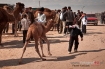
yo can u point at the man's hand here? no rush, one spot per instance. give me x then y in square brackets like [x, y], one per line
[81, 39]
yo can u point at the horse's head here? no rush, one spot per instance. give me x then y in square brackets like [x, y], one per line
[20, 6]
[54, 16]
[8, 9]
[50, 23]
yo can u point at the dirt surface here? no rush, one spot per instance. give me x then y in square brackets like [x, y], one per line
[90, 55]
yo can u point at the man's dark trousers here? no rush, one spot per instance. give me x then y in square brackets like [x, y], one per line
[71, 41]
[24, 35]
[84, 28]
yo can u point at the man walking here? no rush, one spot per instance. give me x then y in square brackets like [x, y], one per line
[74, 37]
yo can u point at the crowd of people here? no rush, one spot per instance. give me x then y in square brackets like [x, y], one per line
[68, 17]
[73, 23]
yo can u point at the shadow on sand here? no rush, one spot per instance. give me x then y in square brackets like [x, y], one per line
[96, 25]
[14, 62]
[19, 44]
[71, 56]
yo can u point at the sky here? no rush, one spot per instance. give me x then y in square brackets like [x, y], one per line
[87, 6]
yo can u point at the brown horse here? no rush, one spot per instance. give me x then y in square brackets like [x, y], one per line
[16, 12]
[6, 17]
[38, 31]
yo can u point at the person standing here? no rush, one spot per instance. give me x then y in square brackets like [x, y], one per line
[25, 25]
[84, 23]
[63, 18]
[57, 21]
[75, 31]
[104, 18]
[69, 19]
[78, 17]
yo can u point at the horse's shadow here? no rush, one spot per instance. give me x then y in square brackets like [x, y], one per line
[19, 44]
[15, 62]
[15, 44]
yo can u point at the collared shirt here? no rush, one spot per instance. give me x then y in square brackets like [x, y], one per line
[25, 24]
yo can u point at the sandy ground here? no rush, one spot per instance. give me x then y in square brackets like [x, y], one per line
[90, 55]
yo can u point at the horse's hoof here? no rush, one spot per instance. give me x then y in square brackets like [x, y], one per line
[43, 56]
[1, 46]
[20, 62]
[50, 54]
[43, 59]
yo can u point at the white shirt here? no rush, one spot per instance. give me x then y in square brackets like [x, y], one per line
[84, 21]
[41, 18]
[25, 24]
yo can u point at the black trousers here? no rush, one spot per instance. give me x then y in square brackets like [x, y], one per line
[68, 29]
[84, 28]
[24, 35]
[13, 29]
[71, 41]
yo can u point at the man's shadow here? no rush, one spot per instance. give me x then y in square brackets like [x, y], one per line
[71, 56]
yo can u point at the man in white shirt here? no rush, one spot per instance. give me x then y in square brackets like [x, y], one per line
[41, 16]
[84, 23]
[25, 25]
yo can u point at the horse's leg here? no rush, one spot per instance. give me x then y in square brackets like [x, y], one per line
[25, 45]
[1, 40]
[24, 49]
[15, 34]
[48, 45]
[41, 45]
[37, 49]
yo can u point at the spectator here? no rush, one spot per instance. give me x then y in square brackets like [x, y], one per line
[63, 18]
[84, 23]
[25, 25]
[69, 19]
[104, 18]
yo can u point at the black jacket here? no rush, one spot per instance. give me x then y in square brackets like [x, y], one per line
[75, 32]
